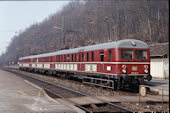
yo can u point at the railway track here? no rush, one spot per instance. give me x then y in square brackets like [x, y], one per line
[57, 91]
[125, 92]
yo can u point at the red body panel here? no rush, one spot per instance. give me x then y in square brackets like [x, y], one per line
[103, 67]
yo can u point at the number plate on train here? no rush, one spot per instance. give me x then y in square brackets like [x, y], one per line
[134, 68]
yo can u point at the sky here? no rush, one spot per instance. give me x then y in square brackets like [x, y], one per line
[15, 16]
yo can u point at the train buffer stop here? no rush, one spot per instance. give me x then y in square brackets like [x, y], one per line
[20, 96]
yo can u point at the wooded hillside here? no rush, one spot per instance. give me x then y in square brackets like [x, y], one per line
[90, 22]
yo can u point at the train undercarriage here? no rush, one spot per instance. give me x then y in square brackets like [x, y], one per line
[127, 81]
[121, 82]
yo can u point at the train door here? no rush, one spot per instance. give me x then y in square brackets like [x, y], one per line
[80, 59]
[31, 63]
[107, 59]
[51, 60]
[101, 65]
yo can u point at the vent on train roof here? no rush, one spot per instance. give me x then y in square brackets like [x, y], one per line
[133, 43]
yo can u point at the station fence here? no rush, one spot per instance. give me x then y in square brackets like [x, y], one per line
[99, 82]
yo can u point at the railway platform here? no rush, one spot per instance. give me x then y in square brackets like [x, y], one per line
[159, 86]
[20, 96]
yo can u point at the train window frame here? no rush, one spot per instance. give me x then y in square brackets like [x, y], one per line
[64, 58]
[50, 59]
[145, 55]
[82, 57]
[75, 57]
[102, 56]
[127, 50]
[58, 58]
[87, 56]
[110, 55]
[61, 58]
[40, 59]
[34, 60]
[46, 59]
[92, 56]
[79, 57]
[72, 57]
[68, 58]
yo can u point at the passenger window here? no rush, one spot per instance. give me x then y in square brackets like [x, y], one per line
[68, 58]
[58, 58]
[51, 59]
[79, 57]
[92, 54]
[64, 58]
[101, 56]
[75, 59]
[82, 57]
[110, 55]
[141, 54]
[87, 56]
[127, 54]
[61, 58]
[72, 58]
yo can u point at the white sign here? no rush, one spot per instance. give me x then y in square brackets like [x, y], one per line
[108, 68]
[143, 91]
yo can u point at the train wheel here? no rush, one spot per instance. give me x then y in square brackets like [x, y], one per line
[135, 84]
[121, 84]
[115, 85]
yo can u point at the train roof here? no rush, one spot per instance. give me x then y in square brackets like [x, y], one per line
[126, 43]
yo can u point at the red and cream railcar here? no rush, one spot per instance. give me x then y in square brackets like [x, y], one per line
[124, 61]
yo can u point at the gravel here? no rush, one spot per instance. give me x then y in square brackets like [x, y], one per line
[78, 86]
[146, 107]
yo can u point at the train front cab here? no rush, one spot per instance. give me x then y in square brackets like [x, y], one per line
[133, 65]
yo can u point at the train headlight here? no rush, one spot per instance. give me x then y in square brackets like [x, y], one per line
[124, 70]
[124, 66]
[145, 66]
[146, 70]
